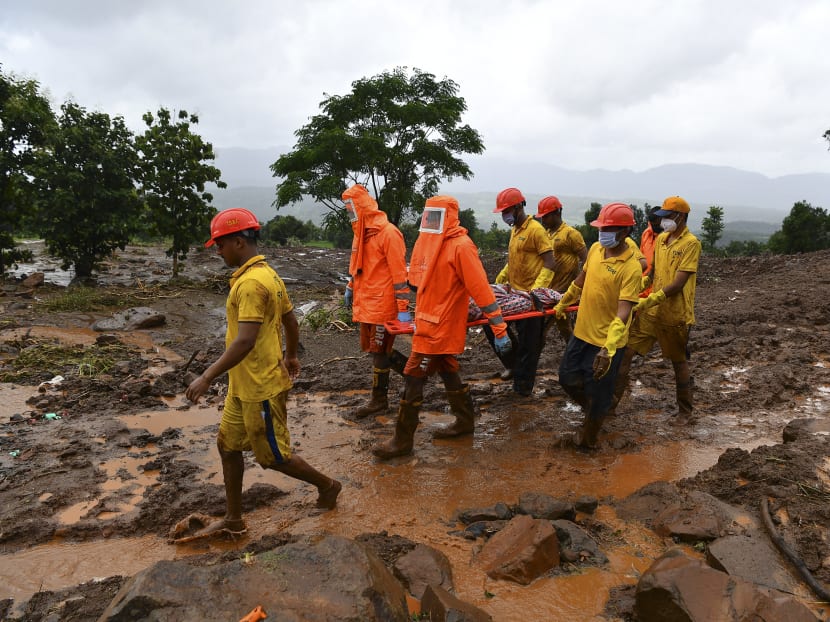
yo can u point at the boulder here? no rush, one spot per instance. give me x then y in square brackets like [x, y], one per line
[586, 504]
[438, 605]
[421, 567]
[525, 549]
[750, 558]
[575, 545]
[500, 511]
[804, 428]
[319, 579]
[33, 280]
[683, 589]
[539, 505]
[131, 319]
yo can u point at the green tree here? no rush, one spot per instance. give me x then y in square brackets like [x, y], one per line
[281, 229]
[174, 170]
[87, 200]
[712, 228]
[804, 230]
[495, 238]
[590, 234]
[396, 133]
[640, 221]
[26, 121]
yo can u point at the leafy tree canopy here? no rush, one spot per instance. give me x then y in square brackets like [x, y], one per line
[804, 230]
[26, 121]
[174, 169]
[712, 228]
[397, 133]
[87, 201]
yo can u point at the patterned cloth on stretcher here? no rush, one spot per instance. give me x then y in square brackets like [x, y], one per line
[513, 301]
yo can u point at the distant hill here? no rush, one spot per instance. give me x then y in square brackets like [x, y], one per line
[746, 197]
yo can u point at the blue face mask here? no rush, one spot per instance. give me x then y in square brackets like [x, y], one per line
[608, 239]
[509, 218]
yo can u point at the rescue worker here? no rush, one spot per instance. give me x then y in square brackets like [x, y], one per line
[569, 253]
[649, 235]
[377, 291]
[668, 313]
[445, 271]
[254, 416]
[530, 264]
[608, 288]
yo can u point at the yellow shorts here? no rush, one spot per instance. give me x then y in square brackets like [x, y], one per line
[673, 340]
[261, 427]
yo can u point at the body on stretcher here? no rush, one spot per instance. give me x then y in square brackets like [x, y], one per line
[402, 328]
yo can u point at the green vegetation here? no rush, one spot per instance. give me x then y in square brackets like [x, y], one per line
[86, 184]
[397, 133]
[41, 360]
[173, 172]
[87, 299]
[87, 201]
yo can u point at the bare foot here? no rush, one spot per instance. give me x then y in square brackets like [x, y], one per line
[200, 527]
[328, 498]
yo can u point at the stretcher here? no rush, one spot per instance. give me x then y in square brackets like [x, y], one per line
[403, 328]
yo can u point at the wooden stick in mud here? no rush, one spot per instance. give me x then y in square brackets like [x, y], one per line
[785, 548]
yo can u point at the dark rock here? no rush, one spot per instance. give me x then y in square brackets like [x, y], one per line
[540, 505]
[752, 559]
[500, 511]
[485, 528]
[441, 606]
[678, 587]
[347, 581]
[421, 567]
[524, 550]
[586, 504]
[575, 545]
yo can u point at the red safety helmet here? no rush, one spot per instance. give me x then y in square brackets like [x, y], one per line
[507, 198]
[548, 205]
[230, 221]
[615, 215]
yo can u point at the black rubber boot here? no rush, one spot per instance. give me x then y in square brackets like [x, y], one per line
[379, 404]
[461, 404]
[397, 361]
[401, 444]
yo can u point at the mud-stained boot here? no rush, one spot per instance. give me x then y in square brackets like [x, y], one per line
[397, 361]
[379, 403]
[685, 410]
[401, 444]
[461, 404]
[620, 386]
[588, 435]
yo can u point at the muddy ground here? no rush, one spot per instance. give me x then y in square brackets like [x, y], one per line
[760, 357]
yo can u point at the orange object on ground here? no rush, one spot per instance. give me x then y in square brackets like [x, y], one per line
[256, 615]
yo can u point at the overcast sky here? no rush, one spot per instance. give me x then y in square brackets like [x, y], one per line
[579, 84]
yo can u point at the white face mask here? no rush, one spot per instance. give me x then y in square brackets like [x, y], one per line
[608, 239]
[668, 225]
[351, 210]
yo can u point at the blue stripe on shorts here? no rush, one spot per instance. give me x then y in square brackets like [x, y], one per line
[269, 430]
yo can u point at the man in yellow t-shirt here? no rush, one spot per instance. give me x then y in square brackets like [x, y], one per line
[668, 313]
[254, 417]
[607, 288]
[569, 253]
[529, 265]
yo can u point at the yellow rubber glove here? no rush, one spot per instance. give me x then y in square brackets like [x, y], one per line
[570, 297]
[544, 279]
[502, 279]
[645, 282]
[654, 298]
[616, 335]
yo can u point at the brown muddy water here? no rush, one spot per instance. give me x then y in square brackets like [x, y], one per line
[415, 497]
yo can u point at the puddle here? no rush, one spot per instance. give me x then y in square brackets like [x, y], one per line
[415, 497]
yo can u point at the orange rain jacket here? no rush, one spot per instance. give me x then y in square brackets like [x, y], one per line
[647, 240]
[378, 262]
[446, 270]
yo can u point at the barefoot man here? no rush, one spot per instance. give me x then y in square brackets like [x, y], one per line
[259, 375]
